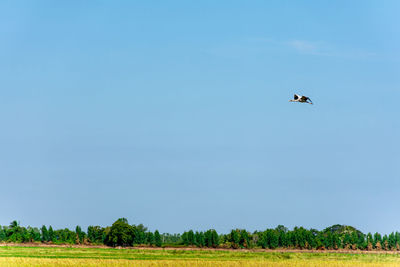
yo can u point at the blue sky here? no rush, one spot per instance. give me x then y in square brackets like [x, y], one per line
[175, 114]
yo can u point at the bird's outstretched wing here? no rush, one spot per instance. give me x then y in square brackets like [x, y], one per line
[306, 99]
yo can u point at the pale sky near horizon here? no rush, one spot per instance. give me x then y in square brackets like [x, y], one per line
[175, 114]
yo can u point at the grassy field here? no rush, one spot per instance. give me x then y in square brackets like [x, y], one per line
[64, 256]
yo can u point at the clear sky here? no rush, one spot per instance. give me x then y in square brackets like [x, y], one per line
[175, 114]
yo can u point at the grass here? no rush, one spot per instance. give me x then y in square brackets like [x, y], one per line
[64, 256]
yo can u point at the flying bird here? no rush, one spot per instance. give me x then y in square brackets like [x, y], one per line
[301, 99]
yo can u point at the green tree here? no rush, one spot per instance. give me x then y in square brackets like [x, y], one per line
[370, 241]
[244, 239]
[272, 238]
[150, 238]
[120, 234]
[262, 239]
[392, 241]
[64, 236]
[290, 240]
[80, 235]
[185, 239]
[397, 240]
[3, 235]
[234, 238]
[190, 237]
[310, 240]
[329, 240]
[34, 234]
[211, 238]
[95, 234]
[157, 239]
[140, 234]
[320, 240]
[282, 239]
[214, 238]
[377, 243]
[51, 234]
[199, 237]
[336, 241]
[346, 241]
[361, 243]
[16, 233]
[45, 234]
[385, 242]
[354, 240]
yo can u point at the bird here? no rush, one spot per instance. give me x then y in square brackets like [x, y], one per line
[301, 99]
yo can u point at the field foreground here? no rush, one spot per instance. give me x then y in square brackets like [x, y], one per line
[64, 256]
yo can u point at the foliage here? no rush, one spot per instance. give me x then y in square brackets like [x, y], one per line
[123, 234]
[157, 239]
[96, 234]
[120, 234]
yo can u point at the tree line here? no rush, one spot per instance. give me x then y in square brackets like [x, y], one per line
[121, 233]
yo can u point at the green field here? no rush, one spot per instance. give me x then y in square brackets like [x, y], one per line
[64, 256]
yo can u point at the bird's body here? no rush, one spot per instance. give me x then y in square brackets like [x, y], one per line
[301, 99]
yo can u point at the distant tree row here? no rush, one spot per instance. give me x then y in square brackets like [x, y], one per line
[334, 237]
[121, 233]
